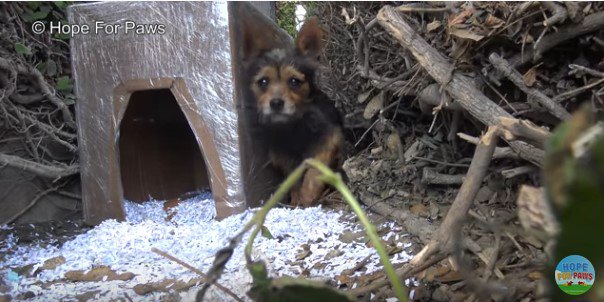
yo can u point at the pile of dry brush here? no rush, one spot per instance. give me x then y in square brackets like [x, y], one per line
[38, 140]
[448, 107]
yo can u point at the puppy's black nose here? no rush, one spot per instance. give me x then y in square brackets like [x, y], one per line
[277, 104]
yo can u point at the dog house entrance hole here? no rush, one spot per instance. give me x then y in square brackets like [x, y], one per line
[159, 155]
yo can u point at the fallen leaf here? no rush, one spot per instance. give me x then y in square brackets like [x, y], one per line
[461, 17]
[412, 151]
[419, 210]
[451, 276]
[493, 22]
[361, 98]
[305, 252]
[349, 237]
[319, 265]
[53, 263]
[434, 272]
[101, 273]
[333, 253]
[394, 145]
[88, 296]
[26, 270]
[393, 249]
[530, 77]
[374, 106]
[524, 39]
[377, 150]
[22, 49]
[266, 233]
[536, 275]
[343, 279]
[434, 25]
[465, 34]
[166, 285]
[170, 207]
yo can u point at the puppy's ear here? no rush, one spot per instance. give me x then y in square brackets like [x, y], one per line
[309, 41]
[255, 40]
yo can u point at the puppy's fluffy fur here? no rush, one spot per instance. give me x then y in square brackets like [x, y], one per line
[297, 120]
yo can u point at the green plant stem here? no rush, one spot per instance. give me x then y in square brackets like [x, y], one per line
[260, 216]
[335, 180]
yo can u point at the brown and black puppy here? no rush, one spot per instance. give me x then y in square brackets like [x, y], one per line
[297, 121]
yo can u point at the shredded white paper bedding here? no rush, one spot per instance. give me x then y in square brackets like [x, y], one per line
[194, 237]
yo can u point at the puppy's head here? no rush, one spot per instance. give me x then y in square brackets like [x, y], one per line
[282, 79]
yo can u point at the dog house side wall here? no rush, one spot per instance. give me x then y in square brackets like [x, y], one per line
[260, 180]
[195, 48]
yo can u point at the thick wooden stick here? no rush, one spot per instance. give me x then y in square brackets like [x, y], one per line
[449, 233]
[429, 176]
[526, 130]
[513, 75]
[590, 23]
[503, 152]
[36, 168]
[460, 87]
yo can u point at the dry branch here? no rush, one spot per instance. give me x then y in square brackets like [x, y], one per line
[503, 66]
[500, 152]
[503, 152]
[559, 13]
[31, 204]
[448, 235]
[511, 173]
[418, 226]
[39, 169]
[429, 176]
[431, 96]
[460, 87]
[198, 271]
[582, 69]
[569, 94]
[525, 130]
[421, 7]
[590, 23]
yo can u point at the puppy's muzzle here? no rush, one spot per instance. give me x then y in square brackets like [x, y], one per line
[277, 105]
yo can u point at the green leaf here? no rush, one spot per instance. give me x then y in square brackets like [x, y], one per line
[34, 4]
[51, 68]
[288, 289]
[61, 4]
[34, 16]
[61, 36]
[70, 99]
[39, 15]
[259, 274]
[64, 83]
[266, 233]
[22, 49]
[41, 67]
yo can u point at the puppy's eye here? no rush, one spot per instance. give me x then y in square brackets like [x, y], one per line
[263, 82]
[294, 83]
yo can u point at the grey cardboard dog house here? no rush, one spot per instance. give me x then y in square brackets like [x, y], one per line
[161, 106]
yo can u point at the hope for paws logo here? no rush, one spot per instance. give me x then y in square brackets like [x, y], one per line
[575, 275]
